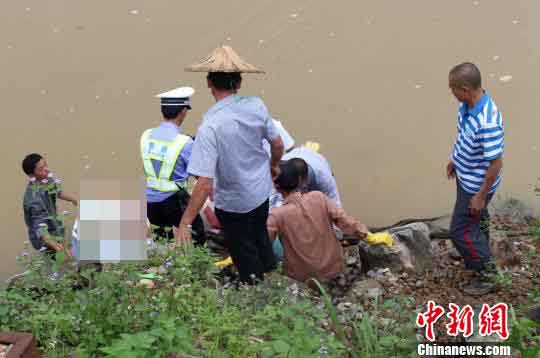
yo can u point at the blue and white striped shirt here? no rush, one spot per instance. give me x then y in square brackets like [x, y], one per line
[480, 140]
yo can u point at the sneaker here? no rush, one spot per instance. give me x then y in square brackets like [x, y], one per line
[479, 286]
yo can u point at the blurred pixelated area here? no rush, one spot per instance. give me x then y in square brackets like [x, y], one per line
[112, 221]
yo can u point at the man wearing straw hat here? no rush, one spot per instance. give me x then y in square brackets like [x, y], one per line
[228, 156]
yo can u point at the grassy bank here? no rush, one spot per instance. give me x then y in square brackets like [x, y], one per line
[173, 303]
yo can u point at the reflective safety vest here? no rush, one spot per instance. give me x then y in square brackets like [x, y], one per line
[166, 153]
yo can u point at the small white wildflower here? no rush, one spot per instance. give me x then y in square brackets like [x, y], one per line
[42, 225]
[45, 181]
[50, 175]
[32, 179]
[25, 254]
[57, 181]
[42, 249]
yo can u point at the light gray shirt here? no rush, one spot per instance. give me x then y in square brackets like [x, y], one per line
[229, 149]
[320, 176]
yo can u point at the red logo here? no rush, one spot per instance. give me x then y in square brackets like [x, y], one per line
[461, 321]
[429, 319]
[492, 319]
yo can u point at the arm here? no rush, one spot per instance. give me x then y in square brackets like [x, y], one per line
[348, 224]
[492, 140]
[271, 134]
[68, 197]
[276, 149]
[38, 218]
[202, 163]
[200, 194]
[50, 243]
[479, 199]
[272, 227]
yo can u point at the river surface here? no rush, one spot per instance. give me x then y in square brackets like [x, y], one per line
[366, 79]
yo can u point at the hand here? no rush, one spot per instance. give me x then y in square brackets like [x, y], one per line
[450, 170]
[477, 204]
[275, 171]
[58, 247]
[183, 236]
[362, 231]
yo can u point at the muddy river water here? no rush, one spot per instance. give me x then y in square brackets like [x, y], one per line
[366, 79]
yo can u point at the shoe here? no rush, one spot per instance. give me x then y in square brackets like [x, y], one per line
[479, 286]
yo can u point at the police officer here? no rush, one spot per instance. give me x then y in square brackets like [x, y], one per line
[165, 153]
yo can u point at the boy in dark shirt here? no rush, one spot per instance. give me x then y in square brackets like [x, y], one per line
[45, 228]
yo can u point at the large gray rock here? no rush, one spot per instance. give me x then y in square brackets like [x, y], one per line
[412, 250]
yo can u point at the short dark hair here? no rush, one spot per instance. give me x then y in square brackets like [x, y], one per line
[466, 74]
[29, 163]
[225, 81]
[288, 179]
[301, 166]
[171, 112]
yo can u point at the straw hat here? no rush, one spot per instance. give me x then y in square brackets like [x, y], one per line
[223, 59]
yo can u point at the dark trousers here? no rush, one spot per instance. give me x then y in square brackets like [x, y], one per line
[469, 234]
[167, 213]
[247, 241]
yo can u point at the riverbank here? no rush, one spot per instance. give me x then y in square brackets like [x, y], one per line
[175, 303]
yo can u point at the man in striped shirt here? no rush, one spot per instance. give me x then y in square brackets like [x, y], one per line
[476, 162]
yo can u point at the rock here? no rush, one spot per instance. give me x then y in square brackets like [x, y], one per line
[503, 250]
[365, 288]
[146, 283]
[374, 292]
[412, 250]
[534, 314]
[352, 257]
[512, 210]
[439, 228]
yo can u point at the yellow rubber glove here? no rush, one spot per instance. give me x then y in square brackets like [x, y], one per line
[313, 146]
[224, 263]
[380, 238]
